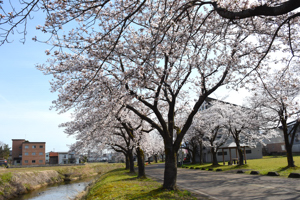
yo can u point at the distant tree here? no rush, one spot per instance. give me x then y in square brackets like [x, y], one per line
[191, 145]
[4, 150]
[277, 100]
[197, 134]
[212, 123]
[244, 126]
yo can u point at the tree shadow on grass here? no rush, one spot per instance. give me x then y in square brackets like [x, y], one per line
[281, 169]
[161, 193]
[133, 176]
[241, 166]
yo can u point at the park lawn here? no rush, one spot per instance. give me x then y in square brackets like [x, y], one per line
[263, 165]
[120, 184]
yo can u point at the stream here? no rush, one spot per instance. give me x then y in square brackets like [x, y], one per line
[60, 191]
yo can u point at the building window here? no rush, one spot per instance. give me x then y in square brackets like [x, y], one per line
[40, 161]
[65, 156]
[41, 146]
[33, 154]
[47, 155]
[40, 153]
[248, 151]
[20, 155]
[33, 161]
[26, 154]
[33, 146]
[18, 161]
[26, 146]
[220, 153]
[26, 161]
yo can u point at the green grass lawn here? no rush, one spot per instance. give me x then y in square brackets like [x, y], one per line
[119, 184]
[263, 165]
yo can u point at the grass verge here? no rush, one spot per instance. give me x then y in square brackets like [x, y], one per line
[119, 184]
[14, 181]
[263, 165]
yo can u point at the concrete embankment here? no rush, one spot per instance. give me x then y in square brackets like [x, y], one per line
[14, 182]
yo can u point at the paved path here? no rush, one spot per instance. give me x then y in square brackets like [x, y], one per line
[222, 185]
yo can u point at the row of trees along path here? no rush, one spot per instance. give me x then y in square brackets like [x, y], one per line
[157, 57]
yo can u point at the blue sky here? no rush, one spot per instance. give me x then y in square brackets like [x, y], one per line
[25, 95]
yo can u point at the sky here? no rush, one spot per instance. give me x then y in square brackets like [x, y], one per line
[25, 96]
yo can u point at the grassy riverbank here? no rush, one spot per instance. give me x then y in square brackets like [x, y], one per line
[266, 164]
[15, 181]
[119, 184]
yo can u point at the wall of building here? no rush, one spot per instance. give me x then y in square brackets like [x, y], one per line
[17, 151]
[63, 158]
[47, 158]
[296, 148]
[251, 153]
[33, 153]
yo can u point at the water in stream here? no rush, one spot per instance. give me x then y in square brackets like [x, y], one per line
[61, 191]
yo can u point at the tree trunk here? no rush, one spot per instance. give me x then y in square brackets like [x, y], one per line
[241, 155]
[127, 162]
[289, 155]
[170, 174]
[201, 153]
[155, 157]
[288, 146]
[194, 155]
[131, 162]
[141, 163]
[239, 150]
[162, 157]
[214, 154]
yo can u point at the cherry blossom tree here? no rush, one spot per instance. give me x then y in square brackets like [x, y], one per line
[277, 100]
[151, 51]
[153, 145]
[212, 124]
[197, 135]
[243, 125]
[190, 143]
[153, 65]
[14, 18]
[222, 121]
[93, 127]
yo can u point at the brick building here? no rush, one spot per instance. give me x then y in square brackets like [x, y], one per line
[28, 153]
[16, 154]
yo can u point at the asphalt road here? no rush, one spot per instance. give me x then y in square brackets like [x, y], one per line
[225, 185]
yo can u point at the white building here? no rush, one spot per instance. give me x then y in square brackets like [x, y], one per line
[229, 152]
[47, 158]
[64, 158]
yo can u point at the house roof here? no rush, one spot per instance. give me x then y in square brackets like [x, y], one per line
[34, 142]
[209, 100]
[232, 145]
[292, 123]
[53, 154]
